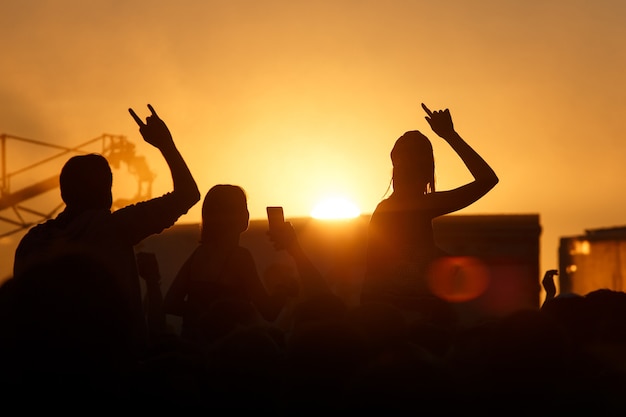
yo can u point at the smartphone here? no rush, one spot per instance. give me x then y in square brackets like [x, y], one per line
[275, 216]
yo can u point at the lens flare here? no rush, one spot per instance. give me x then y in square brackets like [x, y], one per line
[458, 278]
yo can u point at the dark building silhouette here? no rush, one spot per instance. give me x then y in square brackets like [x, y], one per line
[494, 269]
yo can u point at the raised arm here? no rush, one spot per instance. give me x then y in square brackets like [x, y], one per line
[312, 282]
[156, 133]
[484, 177]
[548, 284]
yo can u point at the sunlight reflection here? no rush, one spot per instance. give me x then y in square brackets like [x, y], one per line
[335, 208]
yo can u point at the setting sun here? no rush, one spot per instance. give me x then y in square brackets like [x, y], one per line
[335, 208]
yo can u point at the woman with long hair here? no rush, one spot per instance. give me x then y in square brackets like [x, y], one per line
[219, 285]
[401, 241]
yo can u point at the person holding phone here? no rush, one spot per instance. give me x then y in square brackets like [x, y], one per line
[220, 279]
[401, 242]
[284, 237]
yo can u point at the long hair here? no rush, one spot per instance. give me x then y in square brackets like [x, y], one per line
[224, 210]
[413, 162]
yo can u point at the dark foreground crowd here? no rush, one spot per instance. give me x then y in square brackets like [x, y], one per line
[76, 336]
[65, 345]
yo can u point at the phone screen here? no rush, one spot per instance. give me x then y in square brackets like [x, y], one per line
[275, 216]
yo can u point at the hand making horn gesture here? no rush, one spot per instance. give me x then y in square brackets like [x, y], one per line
[154, 130]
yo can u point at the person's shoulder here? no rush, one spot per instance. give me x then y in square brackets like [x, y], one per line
[34, 244]
[242, 252]
[167, 198]
[41, 230]
[383, 204]
[50, 223]
[389, 205]
[414, 203]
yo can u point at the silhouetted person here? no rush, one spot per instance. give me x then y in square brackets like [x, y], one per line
[88, 228]
[221, 273]
[401, 242]
[148, 269]
[65, 337]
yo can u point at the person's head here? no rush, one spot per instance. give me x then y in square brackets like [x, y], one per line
[413, 163]
[224, 211]
[86, 182]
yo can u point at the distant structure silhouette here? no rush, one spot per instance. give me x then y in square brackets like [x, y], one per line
[89, 229]
[401, 243]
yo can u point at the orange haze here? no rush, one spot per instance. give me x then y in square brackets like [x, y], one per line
[296, 101]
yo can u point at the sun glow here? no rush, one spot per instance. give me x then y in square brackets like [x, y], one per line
[335, 208]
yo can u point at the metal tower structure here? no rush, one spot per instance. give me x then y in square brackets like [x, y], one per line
[17, 208]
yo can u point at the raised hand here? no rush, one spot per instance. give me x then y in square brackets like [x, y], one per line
[548, 283]
[154, 131]
[283, 236]
[148, 266]
[440, 121]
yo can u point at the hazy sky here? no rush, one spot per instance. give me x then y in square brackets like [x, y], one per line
[297, 100]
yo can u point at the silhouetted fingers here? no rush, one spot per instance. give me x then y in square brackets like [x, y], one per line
[427, 110]
[152, 110]
[137, 119]
[548, 279]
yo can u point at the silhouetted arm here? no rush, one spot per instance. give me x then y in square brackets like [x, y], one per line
[175, 298]
[548, 284]
[156, 133]
[268, 305]
[148, 269]
[311, 281]
[484, 176]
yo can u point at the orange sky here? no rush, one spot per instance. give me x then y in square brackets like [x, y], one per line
[295, 101]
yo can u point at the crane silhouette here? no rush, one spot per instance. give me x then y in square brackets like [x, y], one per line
[117, 149]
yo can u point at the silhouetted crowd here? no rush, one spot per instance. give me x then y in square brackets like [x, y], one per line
[80, 334]
[66, 345]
